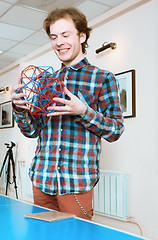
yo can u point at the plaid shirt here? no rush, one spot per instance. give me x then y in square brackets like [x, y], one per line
[68, 149]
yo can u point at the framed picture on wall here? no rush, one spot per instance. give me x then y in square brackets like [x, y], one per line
[6, 115]
[127, 92]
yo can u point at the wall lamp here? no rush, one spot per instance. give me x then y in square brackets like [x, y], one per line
[105, 46]
[4, 89]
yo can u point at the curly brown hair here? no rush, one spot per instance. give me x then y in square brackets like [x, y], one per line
[78, 18]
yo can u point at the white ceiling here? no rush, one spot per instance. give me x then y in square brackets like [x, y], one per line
[21, 23]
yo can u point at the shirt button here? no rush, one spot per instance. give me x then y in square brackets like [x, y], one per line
[61, 130]
[59, 149]
[58, 168]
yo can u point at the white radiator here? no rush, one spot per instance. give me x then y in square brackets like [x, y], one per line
[110, 195]
[28, 192]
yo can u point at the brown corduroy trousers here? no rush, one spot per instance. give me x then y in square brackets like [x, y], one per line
[65, 203]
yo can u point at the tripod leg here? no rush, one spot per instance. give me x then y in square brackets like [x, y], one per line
[8, 176]
[5, 159]
[14, 176]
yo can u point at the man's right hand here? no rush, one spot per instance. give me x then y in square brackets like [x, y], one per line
[18, 98]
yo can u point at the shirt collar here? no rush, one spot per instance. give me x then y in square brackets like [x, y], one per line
[76, 66]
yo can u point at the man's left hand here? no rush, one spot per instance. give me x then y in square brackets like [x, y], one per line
[74, 106]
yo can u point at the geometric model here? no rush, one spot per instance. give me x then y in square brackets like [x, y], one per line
[40, 85]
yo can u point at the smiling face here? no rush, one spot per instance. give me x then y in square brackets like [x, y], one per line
[66, 41]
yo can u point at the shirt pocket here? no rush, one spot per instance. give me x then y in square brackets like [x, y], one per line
[88, 97]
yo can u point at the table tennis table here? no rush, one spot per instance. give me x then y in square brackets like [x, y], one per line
[14, 226]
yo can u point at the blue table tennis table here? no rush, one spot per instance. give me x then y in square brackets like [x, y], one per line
[14, 226]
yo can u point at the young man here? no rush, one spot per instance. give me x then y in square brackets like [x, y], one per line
[66, 164]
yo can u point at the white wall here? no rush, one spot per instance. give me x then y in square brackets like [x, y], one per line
[7, 134]
[135, 152]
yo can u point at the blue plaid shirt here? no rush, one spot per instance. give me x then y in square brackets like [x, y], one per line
[68, 149]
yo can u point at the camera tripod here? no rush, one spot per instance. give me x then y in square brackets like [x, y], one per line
[9, 156]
